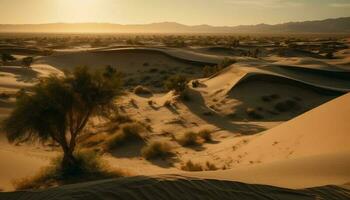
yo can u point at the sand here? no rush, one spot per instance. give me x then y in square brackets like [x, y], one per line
[304, 147]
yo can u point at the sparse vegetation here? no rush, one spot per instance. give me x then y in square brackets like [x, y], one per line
[211, 70]
[193, 167]
[189, 138]
[89, 166]
[129, 133]
[178, 83]
[27, 61]
[60, 108]
[156, 149]
[206, 135]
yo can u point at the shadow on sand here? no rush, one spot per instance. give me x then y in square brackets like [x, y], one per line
[197, 106]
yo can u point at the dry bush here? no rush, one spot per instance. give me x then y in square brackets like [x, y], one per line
[210, 166]
[141, 90]
[205, 134]
[129, 133]
[90, 167]
[190, 166]
[156, 150]
[190, 138]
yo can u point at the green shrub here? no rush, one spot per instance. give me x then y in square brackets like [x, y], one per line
[156, 149]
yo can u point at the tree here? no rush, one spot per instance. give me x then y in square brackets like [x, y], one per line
[59, 109]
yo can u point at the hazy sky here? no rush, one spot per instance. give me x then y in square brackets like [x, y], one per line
[214, 12]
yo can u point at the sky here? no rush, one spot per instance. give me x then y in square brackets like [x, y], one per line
[189, 12]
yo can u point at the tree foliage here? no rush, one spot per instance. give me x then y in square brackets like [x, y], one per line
[59, 108]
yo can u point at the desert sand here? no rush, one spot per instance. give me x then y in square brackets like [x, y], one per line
[279, 124]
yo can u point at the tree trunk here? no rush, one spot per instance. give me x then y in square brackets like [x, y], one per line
[69, 163]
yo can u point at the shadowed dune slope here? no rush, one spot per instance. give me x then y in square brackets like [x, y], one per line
[177, 187]
[321, 131]
[126, 59]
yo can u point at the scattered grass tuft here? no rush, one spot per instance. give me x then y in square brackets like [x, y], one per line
[190, 138]
[193, 167]
[205, 134]
[156, 150]
[129, 133]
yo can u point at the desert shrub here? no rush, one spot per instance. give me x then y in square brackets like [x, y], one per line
[253, 113]
[5, 57]
[210, 166]
[189, 138]
[128, 133]
[156, 149]
[205, 134]
[190, 166]
[27, 61]
[211, 70]
[141, 90]
[195, 83]
[178, 83]
[90, 166]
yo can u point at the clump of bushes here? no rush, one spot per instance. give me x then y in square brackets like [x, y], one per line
[193, 167]
[205, 134]
[191, 138]
[141, 90]
[156, 150]
[90, 166]
[178, 83]
[27, 61]
[129, 133]
[211, 70]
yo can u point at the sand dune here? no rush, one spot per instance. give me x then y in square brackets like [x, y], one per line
[177, 187]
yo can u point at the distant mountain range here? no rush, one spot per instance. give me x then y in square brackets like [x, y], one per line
[339, 25]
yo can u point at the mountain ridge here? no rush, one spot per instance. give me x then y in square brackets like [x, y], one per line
[334, 25]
